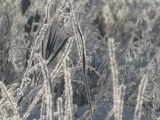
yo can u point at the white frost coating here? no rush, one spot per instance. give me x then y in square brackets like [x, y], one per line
[13, 104]
[60, 111]
[68, 94]
[118, 91]
[141, 90]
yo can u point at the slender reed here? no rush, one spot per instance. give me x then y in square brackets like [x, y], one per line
[141, 90]
[118, 91]
[48, 87]
[60, 109]
[68, 94]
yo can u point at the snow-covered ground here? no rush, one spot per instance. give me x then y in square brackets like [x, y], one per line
[128, 113]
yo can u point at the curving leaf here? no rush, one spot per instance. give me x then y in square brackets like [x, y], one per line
[59, 49]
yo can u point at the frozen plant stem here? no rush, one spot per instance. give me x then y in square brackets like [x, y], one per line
[85, 70]
[60, 108]
[79, 47]
[13, 104]
[68, 94]
[48, 87]
[118, 91]
[141, 90]
[37, 97]
[65, 53]
[38, 40]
